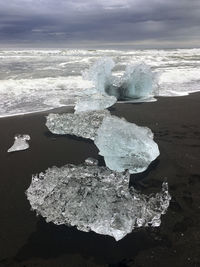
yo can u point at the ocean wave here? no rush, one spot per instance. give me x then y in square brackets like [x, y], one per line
[35, 80]
[32, 95]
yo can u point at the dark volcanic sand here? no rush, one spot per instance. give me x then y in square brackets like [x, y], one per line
[27, 240]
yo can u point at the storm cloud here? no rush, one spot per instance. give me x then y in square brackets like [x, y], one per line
[100, 23]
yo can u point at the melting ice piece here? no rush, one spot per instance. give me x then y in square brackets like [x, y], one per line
[138, 81]
[95, 198]
[100, 73]
[94, 102]
[20, 143]
[125, 146]
[83, 124]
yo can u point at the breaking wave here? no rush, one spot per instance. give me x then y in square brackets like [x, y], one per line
[34, 95]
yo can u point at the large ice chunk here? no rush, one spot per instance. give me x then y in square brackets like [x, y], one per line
[94, 102]
[125, 146]
[95, 198]
[137, 82]
[20, 143]
[83, 124]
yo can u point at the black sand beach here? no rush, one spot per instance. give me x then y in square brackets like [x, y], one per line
[27, 240]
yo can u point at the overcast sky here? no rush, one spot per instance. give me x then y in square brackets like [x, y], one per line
[100, 23]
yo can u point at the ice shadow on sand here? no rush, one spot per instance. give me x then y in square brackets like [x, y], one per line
[52, 241]
[48, 134]
[141, 180]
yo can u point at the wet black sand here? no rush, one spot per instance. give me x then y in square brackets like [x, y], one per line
[27, 240]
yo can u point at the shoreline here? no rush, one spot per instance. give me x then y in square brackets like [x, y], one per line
[71, 107]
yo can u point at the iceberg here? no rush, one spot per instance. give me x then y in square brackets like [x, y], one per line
[94, 198]
[137, 82]
[20, 143]
[94, 102]
[83, 124]
[125, 146]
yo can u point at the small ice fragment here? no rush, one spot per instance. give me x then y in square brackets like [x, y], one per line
[125, 146]
[20, 143]
[83, 124]
[91, 161]
[94, 102]
[94, 198]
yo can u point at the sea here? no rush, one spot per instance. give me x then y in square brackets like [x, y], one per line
[39, 80]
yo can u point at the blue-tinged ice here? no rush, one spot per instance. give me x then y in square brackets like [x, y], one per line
[20, 143]
[100, 73]
[137, 82]
[125, 146]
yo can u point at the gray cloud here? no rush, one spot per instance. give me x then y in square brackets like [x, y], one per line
[100, 23]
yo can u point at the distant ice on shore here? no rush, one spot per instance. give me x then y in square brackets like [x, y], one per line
[96, 101]
[137, 82]
[37, 80]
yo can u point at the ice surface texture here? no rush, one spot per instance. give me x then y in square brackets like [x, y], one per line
[137, 81]
[125, 145]
[20, 143]
[95, 198]
[83, 124]
[94, 102]
[100, 73]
